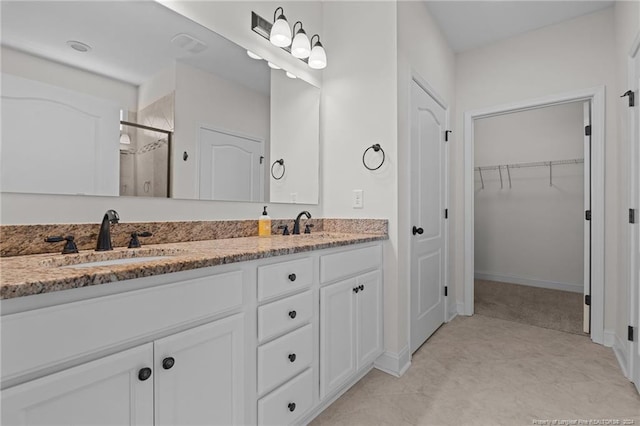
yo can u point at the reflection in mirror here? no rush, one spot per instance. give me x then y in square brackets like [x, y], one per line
[73, 71]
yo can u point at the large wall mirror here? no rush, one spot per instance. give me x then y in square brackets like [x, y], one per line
[133, 99]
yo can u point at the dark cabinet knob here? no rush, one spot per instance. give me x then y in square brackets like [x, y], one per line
[417, 230]
[292, 314]
[292, 277]
[292, 357]
[356, 289]
[292, 406]
[168, 362]
[361, 287]
[144, 374]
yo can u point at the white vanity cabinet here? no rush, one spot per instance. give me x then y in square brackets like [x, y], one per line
[102, 392]
[350, 317]
[268, 342]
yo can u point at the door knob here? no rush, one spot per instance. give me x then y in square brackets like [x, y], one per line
[417, 230]
[144, 374]
[168, 362]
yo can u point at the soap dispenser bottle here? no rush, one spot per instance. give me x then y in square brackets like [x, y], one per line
[264, 224]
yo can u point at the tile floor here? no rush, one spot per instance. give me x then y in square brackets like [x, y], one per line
[486, 371]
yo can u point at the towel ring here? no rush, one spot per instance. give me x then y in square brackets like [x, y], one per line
[376, 147]
[281, 162]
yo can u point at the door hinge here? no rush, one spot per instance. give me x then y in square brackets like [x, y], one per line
[587, 130]
[261, 159]
[632, 215]
[446, 213]
[587, 299]
[632, 97]
[630, 333]
[587, 215]
[446, 135]
[446, 290]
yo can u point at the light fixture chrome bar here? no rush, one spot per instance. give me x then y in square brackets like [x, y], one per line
[535, 164]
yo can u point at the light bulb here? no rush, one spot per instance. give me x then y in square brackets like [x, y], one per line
[290, 75]
[280, 32]
[300, 48]
[318, 57]
[273, 66]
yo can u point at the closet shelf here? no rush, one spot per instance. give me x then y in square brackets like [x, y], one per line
[508, 168]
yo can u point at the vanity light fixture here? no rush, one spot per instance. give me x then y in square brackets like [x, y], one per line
[253, 55]
[273, 66]
[280, 34]
[125, 139]
[300, 48]
[290, 75]
[318, 57]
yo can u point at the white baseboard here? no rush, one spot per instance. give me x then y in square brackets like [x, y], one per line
[452, 314]
[460, 309]
[532, 282]
[621, 349]
[394, 364]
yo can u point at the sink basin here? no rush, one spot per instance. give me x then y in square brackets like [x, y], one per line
[90, 259]
[116, 262]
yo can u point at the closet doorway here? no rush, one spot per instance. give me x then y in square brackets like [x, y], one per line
[534, 223]
[532, 241]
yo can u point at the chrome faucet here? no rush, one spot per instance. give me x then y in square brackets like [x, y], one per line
[296, 224]
[104, 237]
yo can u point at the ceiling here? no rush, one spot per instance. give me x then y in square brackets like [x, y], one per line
[130, 40]
[471, 24]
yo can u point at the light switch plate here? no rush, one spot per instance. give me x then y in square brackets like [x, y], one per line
[357, 199]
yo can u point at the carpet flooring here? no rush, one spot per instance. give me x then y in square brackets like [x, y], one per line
[554, 309]
[487, 371]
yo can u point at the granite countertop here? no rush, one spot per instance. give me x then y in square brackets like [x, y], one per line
[44, 273]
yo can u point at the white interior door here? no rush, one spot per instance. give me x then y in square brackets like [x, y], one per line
[428, 198]
[231, 166]
[586, 324]
[634, 203]
[81, 154]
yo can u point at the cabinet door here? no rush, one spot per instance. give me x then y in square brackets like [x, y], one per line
[337, 335]
[107, 391]
[199, 376]
[369, 323]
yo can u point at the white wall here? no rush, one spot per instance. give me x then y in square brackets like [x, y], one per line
[572, 55]
[295, 129]
[358, 109]
[232, 20]
[531, 232]
[36, 68]
[627, 27]
[159, 85]
[422, 51]
[205, 99]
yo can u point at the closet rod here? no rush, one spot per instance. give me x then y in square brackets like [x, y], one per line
[535, 164]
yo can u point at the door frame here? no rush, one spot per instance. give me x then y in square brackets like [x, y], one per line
[633, 288]
[596, 95]
[235, 134]
[440, 101]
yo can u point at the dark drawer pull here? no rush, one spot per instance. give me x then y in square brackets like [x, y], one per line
[144, 374]
[168, 362]
[292, 406]
[292, 314]
[292, 357]
[292, 277]
[356, 289]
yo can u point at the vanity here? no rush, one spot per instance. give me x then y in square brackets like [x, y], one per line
[233, 331]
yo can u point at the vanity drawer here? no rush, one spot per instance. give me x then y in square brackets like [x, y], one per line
[284, 358]
[349, 262]
[285, 277]
[284, 315]
[289, 403]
